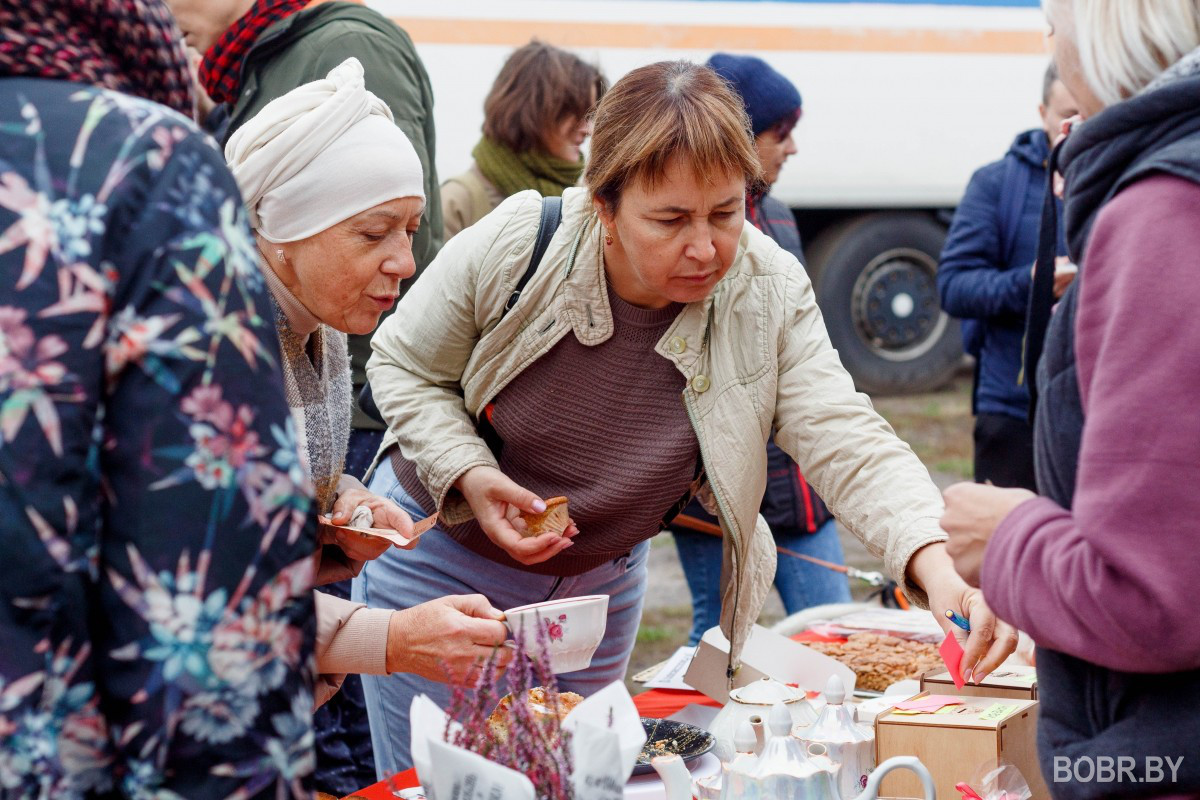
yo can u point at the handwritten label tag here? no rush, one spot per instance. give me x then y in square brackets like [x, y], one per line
[596, 752]
[997, 712]
[459, 774]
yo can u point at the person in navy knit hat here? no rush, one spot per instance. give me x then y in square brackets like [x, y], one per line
[769, 97]
[799, 519]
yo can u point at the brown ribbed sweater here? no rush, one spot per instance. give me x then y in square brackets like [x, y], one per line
[603, 425]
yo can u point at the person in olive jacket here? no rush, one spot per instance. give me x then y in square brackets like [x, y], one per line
[253, 52]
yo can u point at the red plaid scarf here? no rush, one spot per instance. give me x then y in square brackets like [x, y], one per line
[130, 46]
[221, 69]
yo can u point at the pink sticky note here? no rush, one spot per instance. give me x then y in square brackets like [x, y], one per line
[952, 655]
[929, 704]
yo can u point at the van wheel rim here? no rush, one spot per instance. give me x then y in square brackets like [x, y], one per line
[895, 306]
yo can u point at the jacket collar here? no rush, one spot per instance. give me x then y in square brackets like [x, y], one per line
[284, 32]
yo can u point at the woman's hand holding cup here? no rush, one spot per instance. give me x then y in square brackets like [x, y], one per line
[447, 639]
[497, 501]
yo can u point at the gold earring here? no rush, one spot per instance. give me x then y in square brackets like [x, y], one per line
[608, 238]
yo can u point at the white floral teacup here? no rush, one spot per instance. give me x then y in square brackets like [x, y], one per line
[574, 627]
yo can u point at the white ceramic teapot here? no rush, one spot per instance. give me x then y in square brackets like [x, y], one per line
[756, 700]
[848, 744]
[820, 785]
[783, 770]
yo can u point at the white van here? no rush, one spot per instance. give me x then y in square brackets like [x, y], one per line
[903, 100]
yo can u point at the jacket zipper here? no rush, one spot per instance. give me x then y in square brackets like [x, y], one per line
[724, 514]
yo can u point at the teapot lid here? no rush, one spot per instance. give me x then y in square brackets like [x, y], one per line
[835, 691]
[835, 723]
[765, 692]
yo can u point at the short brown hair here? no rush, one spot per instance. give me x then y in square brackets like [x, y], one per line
[663, 110]
[538, 87]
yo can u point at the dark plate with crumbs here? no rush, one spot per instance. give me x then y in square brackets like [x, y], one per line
[665, 736]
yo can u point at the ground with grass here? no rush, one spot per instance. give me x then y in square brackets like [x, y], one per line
[938, 427]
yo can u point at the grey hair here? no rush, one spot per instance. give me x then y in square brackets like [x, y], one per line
[1125, 44]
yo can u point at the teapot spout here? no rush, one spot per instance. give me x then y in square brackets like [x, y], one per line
[675, 776]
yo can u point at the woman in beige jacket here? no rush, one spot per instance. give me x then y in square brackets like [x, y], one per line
[651, 354]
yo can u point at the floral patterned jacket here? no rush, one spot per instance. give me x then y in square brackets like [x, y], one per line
[155, 603]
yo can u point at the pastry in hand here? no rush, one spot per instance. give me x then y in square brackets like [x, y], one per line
[555, 519]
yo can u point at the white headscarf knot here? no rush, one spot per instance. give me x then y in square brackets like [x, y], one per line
[320, 154]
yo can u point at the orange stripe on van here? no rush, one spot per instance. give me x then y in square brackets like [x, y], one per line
[513, 33]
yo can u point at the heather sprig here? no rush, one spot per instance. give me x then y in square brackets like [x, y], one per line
[536, 744]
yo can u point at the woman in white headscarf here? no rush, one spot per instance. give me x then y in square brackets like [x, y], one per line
[335, 194]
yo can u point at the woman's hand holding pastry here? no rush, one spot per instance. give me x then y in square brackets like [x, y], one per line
[497, 501]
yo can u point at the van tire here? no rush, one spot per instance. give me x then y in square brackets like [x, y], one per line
[876, 286]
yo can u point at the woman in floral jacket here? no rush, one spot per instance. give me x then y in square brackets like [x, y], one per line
[156, 615]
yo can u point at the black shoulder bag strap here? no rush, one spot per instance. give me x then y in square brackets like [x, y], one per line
[551, 217]
[1041, 296]
[550, 220]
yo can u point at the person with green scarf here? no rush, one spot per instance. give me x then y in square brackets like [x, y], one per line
[535, 120]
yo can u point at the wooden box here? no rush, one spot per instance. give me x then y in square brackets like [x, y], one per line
[1016, 682]
[955, 742]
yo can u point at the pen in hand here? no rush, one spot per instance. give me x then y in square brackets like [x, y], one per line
[958, 619]
[965, 624]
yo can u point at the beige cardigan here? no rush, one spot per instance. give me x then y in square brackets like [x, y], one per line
[755, 357]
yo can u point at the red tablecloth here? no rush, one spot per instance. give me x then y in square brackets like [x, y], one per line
[653, 703]
[659, 703]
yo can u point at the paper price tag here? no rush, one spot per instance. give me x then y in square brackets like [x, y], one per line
[596, 751]
[997, 712]
[459, 774]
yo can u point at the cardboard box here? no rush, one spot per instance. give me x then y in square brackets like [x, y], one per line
[766, 655]
[1016, 682]
[955, 744]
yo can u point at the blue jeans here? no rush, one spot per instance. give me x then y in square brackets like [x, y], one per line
[800, 584]
[440, 566]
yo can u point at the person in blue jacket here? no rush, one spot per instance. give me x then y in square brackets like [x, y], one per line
[984, 278]
[799, 519]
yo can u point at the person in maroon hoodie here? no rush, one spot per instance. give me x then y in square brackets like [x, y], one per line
[1101, 569]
